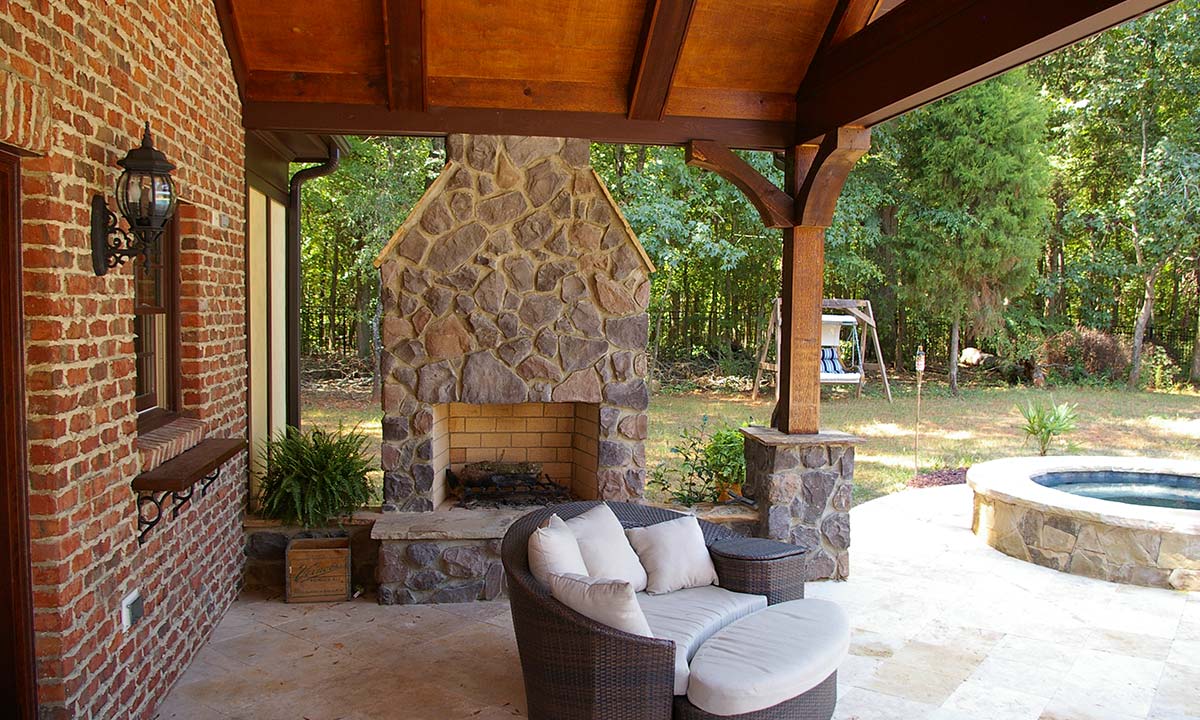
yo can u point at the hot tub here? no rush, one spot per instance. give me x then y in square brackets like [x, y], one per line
[1128, 520]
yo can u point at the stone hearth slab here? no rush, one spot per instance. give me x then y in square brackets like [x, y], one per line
[449, 524]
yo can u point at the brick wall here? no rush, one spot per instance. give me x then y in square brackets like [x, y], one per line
[77, 79]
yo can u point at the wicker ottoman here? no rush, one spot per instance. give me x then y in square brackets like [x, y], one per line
[801, 642]
[760, 567]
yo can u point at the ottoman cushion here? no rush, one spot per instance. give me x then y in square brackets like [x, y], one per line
[691, 616]
[768, 657]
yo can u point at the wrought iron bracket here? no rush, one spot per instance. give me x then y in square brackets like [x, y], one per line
[151, 504]
[112, 245]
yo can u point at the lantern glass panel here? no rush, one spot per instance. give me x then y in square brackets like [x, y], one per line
[146, 199]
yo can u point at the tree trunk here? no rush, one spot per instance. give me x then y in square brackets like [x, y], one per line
[363, 320]
[1139, 329]
[1195, 374]
[954, 328]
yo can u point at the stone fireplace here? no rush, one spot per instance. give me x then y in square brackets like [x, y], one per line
[514, 325]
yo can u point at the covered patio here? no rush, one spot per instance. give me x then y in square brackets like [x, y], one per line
[944, 628]
[108, 605]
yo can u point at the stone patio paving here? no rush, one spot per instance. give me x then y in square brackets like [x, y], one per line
[945, 628]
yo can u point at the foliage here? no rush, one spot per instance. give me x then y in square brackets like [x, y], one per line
[703, 463]
[1043, 423]
[725, 454]
[1083, 355]
[315, 476]
[1159, 371]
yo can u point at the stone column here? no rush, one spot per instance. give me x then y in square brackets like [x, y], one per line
[803, 484]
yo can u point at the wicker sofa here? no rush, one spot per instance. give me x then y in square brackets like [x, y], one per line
[576, 668]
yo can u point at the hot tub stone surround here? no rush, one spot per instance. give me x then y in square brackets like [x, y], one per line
[515, 279]
[803, 486]
[1118, 542]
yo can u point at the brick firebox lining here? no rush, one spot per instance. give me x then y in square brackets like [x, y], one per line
[563, 437]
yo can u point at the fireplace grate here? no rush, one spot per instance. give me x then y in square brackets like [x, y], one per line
[494, 485]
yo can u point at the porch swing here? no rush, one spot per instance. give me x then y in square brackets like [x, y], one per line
[833, 325]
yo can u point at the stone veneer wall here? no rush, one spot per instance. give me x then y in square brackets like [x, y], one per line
[515, 279]
[803, 486]
[1096, 550]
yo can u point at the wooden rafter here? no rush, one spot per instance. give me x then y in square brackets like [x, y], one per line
[774, 206]
[925, 49]
[347, 119]
[661, 44]
[404, 32]
[232, 36]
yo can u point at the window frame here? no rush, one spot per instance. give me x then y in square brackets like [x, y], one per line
[162, 410]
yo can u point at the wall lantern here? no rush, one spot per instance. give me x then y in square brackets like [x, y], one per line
[145, 198]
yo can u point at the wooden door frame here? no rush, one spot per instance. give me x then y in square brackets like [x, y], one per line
[17, 658]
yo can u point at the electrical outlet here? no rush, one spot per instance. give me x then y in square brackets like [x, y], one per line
[131, 609]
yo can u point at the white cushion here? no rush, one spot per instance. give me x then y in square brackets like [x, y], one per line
[605, 549]
[673, 554]
[611, 602]
[768, 657]
[689, 617]
[553, 550]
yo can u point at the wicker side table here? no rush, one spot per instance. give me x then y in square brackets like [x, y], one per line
[761, 567]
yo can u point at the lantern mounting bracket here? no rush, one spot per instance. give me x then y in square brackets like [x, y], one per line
[112, 245]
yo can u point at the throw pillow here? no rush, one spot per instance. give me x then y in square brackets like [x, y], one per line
[604, 600]
[605, 549]
[554, 551]
[673, 554]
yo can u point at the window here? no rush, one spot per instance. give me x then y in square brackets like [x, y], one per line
[156, 332]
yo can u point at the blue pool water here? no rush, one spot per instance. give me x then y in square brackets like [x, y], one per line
[1136, 488]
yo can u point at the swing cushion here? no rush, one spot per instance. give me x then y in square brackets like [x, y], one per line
[830, 362]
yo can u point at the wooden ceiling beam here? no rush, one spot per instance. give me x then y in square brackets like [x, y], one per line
[347, 119]
[231, 34]
[775, 207]
[663, 34]
[925, 49]
[404, 39]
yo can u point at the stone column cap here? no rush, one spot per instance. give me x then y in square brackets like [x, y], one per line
[774, 438]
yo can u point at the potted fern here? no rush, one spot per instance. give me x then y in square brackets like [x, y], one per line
[313, 478]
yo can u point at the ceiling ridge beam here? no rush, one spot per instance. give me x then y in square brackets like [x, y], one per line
[404, 48]
[663, 34]
[925, 49]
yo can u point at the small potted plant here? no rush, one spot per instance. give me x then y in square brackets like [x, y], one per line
[726, 456]
[311, 479]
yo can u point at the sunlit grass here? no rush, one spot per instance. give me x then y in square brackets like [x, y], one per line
[980, 425]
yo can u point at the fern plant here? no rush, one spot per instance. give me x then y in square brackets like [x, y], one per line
[1045, 422]
[315, 476]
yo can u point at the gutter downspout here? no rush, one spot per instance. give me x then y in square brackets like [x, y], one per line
[293, 280]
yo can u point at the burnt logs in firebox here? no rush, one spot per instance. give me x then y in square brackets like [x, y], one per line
[500, 484]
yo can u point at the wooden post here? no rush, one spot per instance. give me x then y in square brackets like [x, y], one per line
[800, 330]
[814, 177]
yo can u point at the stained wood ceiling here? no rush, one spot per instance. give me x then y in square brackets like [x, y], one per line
[747, 73]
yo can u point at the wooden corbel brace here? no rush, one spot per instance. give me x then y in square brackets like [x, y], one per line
[773, 205]
[823, 168]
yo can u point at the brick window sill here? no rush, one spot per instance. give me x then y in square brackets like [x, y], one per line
[168, 441]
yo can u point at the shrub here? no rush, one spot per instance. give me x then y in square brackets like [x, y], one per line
[704, 463]
[1045, 422]
[315, 476]
[1159, 371]
[1083, 354]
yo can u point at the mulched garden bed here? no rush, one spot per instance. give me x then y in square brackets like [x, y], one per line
[937, 478]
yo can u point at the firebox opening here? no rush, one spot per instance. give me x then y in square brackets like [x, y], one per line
[563, 437]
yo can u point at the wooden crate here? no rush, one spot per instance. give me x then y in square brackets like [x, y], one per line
[318, 570]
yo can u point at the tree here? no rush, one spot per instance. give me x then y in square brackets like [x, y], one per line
[975, 181]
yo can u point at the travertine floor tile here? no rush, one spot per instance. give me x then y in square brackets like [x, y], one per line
[944, 628]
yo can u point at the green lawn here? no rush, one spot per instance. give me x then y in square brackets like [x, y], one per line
[979, 425]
